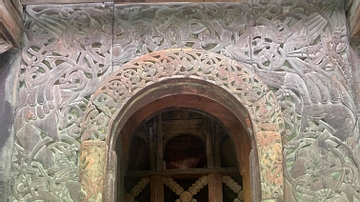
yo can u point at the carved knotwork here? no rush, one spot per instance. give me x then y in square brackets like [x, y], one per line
[299, 50]
[35, 178]
[62, 63]
[271, 167]
[188, 63]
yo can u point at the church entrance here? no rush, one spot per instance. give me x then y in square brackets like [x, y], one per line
[127, 116]
[180, 149]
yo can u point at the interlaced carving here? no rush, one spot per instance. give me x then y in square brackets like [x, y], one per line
[270, 149]
[200, 65]
[299, 51]
[35, 179]
[186, 63]
[65, 54]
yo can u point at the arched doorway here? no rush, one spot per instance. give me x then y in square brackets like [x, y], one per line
[163, 74]
[222, 165]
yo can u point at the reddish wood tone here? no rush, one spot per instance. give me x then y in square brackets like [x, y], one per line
[215, 187]
[156, 189]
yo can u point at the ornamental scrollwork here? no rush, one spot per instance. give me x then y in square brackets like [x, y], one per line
[57, 172]
[235, 78]
[65, 54]
[188, 63]
[295, 54]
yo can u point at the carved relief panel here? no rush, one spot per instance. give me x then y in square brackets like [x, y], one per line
[65, 55]
[297, 53]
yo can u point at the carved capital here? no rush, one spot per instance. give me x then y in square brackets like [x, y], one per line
[92, 169]
[271, 166]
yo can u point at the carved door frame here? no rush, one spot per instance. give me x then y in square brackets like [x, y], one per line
[163, 73]
[192, 94]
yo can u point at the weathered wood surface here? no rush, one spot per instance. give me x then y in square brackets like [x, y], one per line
[156, 189]
[215, 187]
[10, 25]
[302, 85]
[187, 172]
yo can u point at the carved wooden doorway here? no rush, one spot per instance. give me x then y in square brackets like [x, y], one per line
[179, 148]
[182, 78]
[182, 155]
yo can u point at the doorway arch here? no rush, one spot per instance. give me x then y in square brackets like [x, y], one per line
[242, 141]
[181, 71]
[202, 125]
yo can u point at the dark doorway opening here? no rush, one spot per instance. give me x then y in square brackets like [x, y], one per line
[181, 155]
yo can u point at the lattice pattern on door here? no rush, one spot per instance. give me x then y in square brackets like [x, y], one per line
[184, 195]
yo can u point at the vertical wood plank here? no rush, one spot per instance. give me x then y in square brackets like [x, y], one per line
[217, 144]
[210, 144]
[156, 189]
[152, 137]
[215, 187]
[243, 155]
[160, 146]
[110, 189]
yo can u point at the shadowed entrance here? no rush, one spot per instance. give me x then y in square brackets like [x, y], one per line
[169, 124]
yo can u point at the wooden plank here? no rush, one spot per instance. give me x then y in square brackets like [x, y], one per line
[243, 158]
[156, 189]
[210, 145]
[215, 187]
[37, 2]
[152, 144]
[217, 144]
[188, 124]
[172, 128]
[160, 146]
[165, 1]
[191, 171]
[34, 2]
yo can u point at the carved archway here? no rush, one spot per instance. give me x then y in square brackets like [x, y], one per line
[117, 99]
[193, 94]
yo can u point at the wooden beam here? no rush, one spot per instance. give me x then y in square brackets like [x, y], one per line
[156, 189]
[36, 2]
[174, 1]
[215, 187]
[159, 145]
[182, 172]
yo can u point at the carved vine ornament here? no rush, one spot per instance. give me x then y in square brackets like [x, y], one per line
[287, 64]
